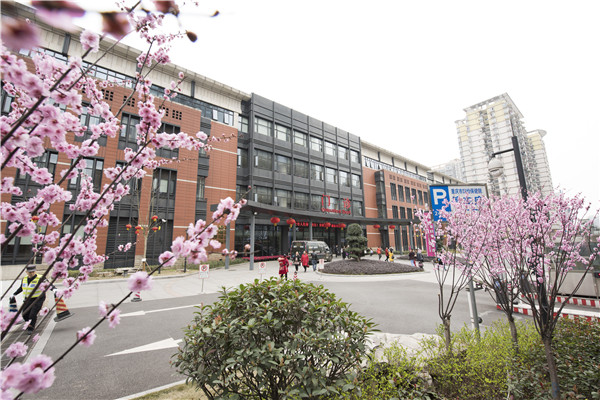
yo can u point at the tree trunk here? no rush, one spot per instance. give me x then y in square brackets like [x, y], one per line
[551, 367]
[447, 337]
[513, 332]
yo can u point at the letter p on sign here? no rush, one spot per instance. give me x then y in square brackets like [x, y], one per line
[438, 195]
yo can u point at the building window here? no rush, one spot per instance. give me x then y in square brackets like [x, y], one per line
[167, 152]
[354, 156]
[301, 201]
[402, 212]
[426, 197]
[343, 153]
[330, 149]
[242, 158]
[395, 212]
[409, 213]
[333, 203]
[283, 165]
[128, 135]
[414, 196]
[420, 198]
[315, 202]
[263, 195]
[316, 144]
[344, 181]
[200, 188]
[357, 208]
[263, 160]
[7, 100]
[301, 169]
[407, 194]
[300, 139]
[263, 127]
[94, 169]
[400, 192]
[243, 124]
[88, 121]
[283, 133]
[330, 175]
[316, 172]
[240, 192]
[164, 182]
[356, 181]
[283, 198]
[393, 191]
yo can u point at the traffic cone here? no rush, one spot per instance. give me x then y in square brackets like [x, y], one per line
[136, 297]
[12, 305]
[62, 312]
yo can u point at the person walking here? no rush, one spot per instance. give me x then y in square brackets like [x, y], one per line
[304, 260]
[391, 252]
[379, 253]
[411, 257]
[343, 253]
[296, 260]
[283, 267]
[387, 254]
[420, 258]
[32, 305]
[315, 259]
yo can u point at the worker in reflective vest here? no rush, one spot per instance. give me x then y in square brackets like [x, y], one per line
[33, 304]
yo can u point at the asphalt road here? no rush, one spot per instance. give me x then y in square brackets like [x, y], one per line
[117, 365]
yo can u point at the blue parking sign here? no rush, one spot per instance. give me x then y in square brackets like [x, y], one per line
[440, 193]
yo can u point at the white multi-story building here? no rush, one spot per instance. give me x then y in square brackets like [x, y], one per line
[488, 127]
[453, 168]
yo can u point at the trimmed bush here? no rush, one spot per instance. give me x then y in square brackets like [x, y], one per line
[356, 241]
[273, 340]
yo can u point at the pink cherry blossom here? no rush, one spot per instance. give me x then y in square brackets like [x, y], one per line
[87, 337]
[89, 41]
[17, 349]
[139, 281]
[114, 318]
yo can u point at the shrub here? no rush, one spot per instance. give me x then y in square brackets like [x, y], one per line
[397, 376]
[275, 340]
[356, 241]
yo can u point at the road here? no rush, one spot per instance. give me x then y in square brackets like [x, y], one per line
[135, 356]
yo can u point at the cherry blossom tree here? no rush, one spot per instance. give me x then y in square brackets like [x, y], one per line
[47, 103]
[458, 256]
[527, 248]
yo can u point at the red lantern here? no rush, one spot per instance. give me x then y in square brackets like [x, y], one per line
[154, 218]
[327, 225]
[291, 221]
[392, 227]
[35, 218]
[275, 220]
[376, 226]
[155, 228]
[137, 228]
[342, 226]
[128, 226]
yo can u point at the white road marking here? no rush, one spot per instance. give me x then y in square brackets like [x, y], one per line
[142, 313]
[162, 344]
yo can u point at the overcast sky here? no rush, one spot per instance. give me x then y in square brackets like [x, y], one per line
[399, 73]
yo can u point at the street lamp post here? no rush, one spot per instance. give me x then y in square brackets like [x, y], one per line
[496, 169]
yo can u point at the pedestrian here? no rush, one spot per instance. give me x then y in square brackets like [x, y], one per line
[343, 253]
[379, 253]
[296, 260]
[31, 305]
[304, 260]
[387, 254]
[420, 258]
[411, 257]
[283, 267]
[391, 251]
[336, 250]
[371, 252]
[315, 259]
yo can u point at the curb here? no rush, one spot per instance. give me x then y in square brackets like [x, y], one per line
[569, 315]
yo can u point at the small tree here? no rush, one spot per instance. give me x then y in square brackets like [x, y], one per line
[356, 240]
[273, 340]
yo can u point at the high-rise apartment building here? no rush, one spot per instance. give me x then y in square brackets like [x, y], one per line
[488, 127]
[452, 168]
